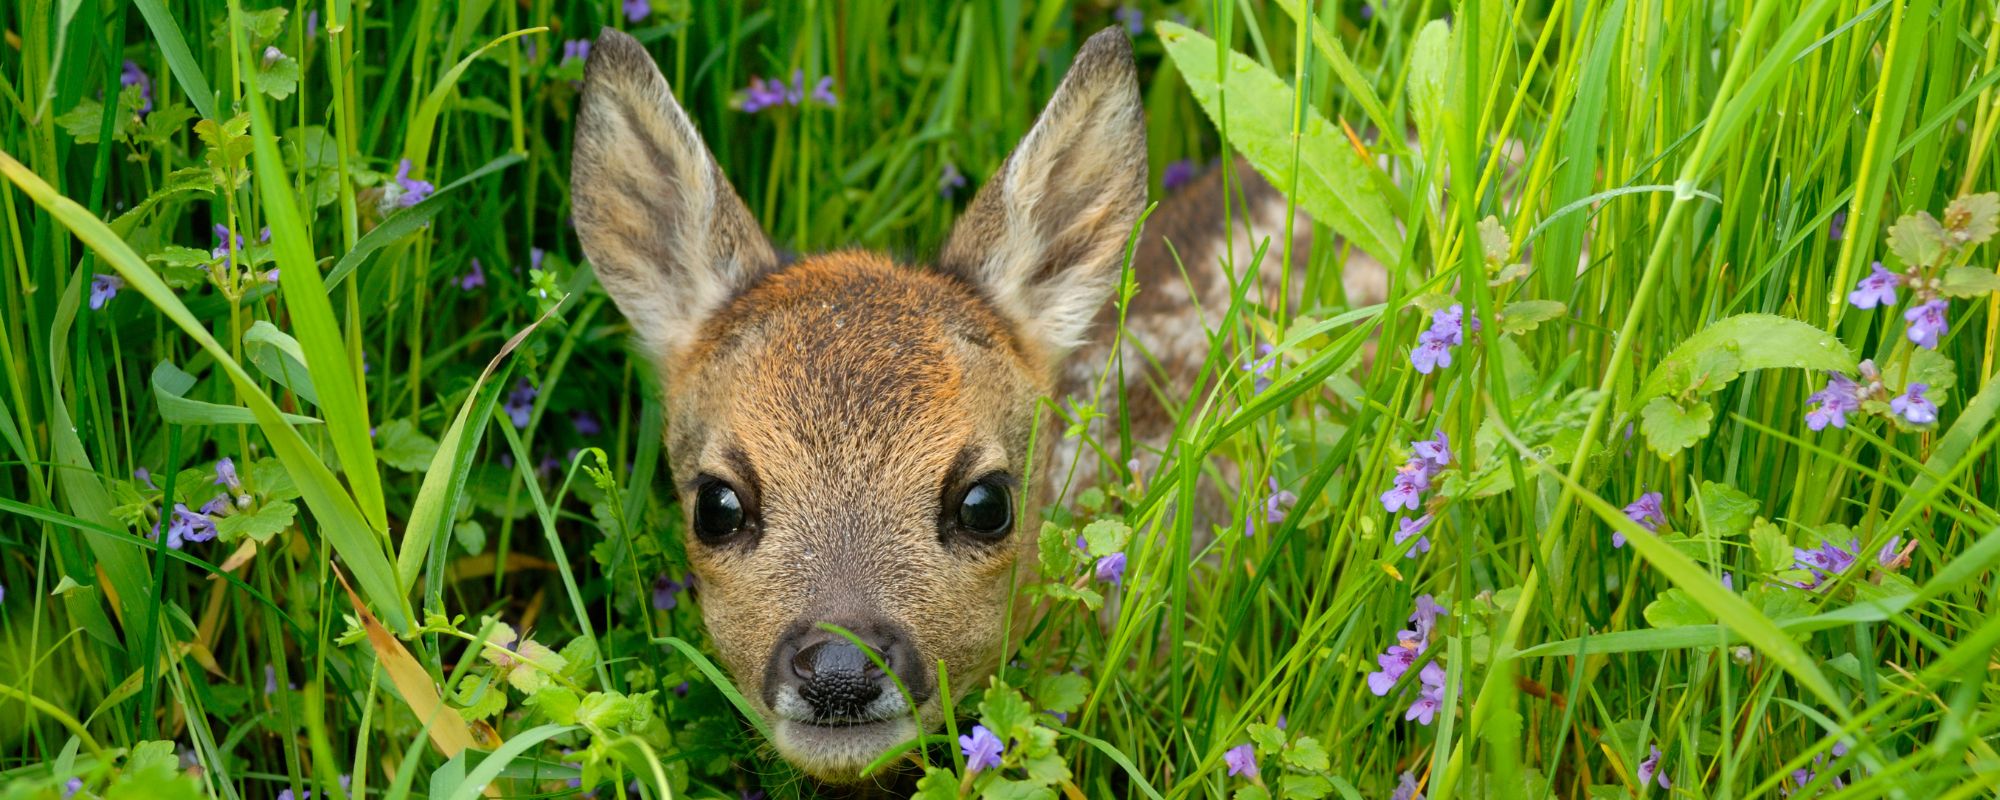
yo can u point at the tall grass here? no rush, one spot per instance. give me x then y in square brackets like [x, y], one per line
[1657, 211]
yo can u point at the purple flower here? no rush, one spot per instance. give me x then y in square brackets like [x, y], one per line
[1888, 556]
[312, 23]
[1406, 784]
[132, 75]
[1431, 352]
[1879, 288]
[1279, 502]
[103, 287]
[144, 476]
[1408, 490]
[1261, 367]
[636, 10]
[1242, 760]
[1651, 767]
[3, 593]
[231, 242]
[1133, 19]
[1729, 581]
[1927, 323]
[667, 592]
[1841, 396]
[1448, 324]
[1111, 568]
[1425, 618]
[225, 474]
[981, 748]
[759, 95]
[1825, 561]
[535, 256]
[1435, 452]
[1177, 174]
[1645, 512]
[520, 402]
[576, 50]
[473, 279]
[822, 92]
[1913, 406]
[71, 787]
[951, 181]
[585, 424]
[188, 526]
[1394, 662]
[412, 191]
[1368, 13]
[1406, 528]
[1430, 697]
[1836, 226]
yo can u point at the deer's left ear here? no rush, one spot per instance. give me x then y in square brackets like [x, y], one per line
[1045, 237]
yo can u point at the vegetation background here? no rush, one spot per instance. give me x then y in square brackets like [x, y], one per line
[1655, 209]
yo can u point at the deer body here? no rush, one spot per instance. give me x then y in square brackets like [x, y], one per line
[850, 437]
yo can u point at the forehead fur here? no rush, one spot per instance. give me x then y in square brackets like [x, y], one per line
[841, 343]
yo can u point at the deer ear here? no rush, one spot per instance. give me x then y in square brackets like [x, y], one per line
[1044, 238]
[665, 232]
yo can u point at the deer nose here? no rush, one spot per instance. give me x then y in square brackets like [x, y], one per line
[837, 680]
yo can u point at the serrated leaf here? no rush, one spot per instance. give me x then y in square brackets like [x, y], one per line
[1674, 609]
[84, 122]
[1918, 239]
[1671, 428]
[478, 696]
[174, 255]
[1307, 753]
[1106, 536]
[1047, 769]
[1526, 315]
[265, 522]
[1969, 282]
[1252, 792]
[278, 79]
[1973, 218]
[1086, 595]
[1759, 341]
[937, 784]
[399, 444]
[1725, 511]
[1004, 712]
[1060, 693]
[1333, 183]
[1001, 788]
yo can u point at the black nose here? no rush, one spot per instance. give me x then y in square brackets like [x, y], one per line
[839, 681]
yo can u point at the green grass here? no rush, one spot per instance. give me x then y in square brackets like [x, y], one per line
[1701, 161]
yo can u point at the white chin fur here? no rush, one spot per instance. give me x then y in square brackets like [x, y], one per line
[837, 754]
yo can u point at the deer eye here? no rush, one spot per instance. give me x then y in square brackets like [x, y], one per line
[985, 511]
[718, 512]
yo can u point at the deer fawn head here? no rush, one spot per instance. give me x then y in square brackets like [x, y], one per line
[850, 436]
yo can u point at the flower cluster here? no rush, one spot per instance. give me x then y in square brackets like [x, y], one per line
[1843, 396]
[184, 526]
[1434, 345]
[1428, 457]
[404, 191]
[762, 94]
[1649, 769]
[1933, 253]
[1402, 655]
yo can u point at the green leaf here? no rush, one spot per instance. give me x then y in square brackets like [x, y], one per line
[1671, 428]
[1969, 282]
[399, 444]
[1046, 769]
[173, 45]
[1305, 787]
[278, 79]
[1086, 595]
[1269, 738]
[1430, 63]
[1004, 713]
[1106, 536]
[1317, 169]
[1056, 555]
[266, 521]
[276, 354]
[1918, 240]
[1674, 609]
[1060, 693]
[170, 387]
[1773, 551]
[84, 122]
[1526, 315]
[1758, 341]
[1973, 218]
[937, 784]
[1725, 511]
[1000, 788]
[1308, 754]
[1252, 792]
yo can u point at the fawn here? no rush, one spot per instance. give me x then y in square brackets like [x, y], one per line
[850, 436]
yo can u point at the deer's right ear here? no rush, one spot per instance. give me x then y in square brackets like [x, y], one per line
[664, 230]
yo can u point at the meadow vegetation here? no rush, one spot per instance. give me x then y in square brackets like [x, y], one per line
[1666, 468]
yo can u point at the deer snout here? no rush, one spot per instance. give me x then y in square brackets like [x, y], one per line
[823, 678]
